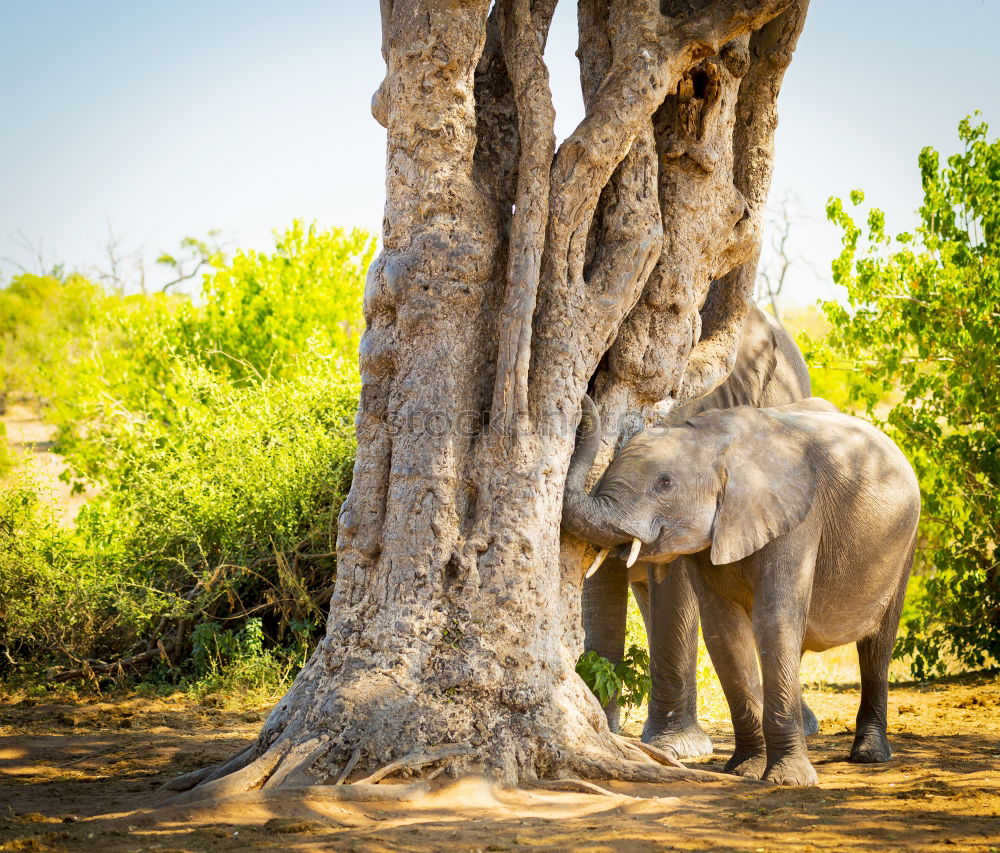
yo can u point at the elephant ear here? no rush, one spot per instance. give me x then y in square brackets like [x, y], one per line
[768, 490]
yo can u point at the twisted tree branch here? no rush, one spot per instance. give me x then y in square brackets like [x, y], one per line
[651, 53]
[523, 28]
[771, 49]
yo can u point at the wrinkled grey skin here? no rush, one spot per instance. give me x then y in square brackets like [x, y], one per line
[801, 522]
[769, 371]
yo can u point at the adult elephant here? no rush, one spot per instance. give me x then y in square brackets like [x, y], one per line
[769, 371]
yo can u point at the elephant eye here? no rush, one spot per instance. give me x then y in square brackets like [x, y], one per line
[664, 483]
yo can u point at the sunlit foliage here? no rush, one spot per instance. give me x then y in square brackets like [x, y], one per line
[923, 321]
[219, 432]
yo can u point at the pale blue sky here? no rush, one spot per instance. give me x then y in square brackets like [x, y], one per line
[168, 119]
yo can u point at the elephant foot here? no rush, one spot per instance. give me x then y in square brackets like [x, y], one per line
[689, 742]
[870, 747]
[793, 768]
[747, 763]
[810, 725]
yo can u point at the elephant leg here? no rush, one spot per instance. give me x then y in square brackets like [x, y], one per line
[781, 604]
[672, 629]
[810, 725]
[871, 745]
[729, 637]
[640, 589]
[605, 608]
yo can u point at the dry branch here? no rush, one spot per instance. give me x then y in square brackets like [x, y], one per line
[90, 670]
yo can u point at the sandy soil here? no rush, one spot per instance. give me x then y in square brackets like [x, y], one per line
[80, 776]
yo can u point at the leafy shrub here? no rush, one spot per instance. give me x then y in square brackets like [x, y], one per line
[241, 661]
[922, 319]
[45, 324]
[6, 457]
[627, 682]
[57, 602]
[235, 508]
[261, 309]
[833, 375]
[235, 514]
[259, 315]
[221, 472]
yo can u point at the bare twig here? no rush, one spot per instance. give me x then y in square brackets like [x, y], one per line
[199, 252]
[37, 253]
[85, 757]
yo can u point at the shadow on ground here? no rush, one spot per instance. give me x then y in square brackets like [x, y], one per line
[77, 776]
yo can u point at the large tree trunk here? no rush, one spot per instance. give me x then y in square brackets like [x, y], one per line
[508, 272]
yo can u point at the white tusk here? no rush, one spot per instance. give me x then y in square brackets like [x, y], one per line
[633, 555]
[601, 555]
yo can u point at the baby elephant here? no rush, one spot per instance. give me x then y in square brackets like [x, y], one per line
[802, 522]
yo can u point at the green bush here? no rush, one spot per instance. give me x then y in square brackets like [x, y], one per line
[259, 315]
[232, 514]
[833, 375]
[58, 603]
[220, 435]
[627, 682]
[922, 321]
[6, 456]
[239, 501]
[240, 661]
[46, 325]
[261, 309]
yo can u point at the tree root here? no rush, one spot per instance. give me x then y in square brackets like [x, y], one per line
[628, 747]
[351, 764]
[285, 768]
[658, 755]
[314, 793]
[576, 785]
[296, 767]
[226, 781]
[187, 781]
[648, 771]
[359, 792]
[418, 759]
[293, 769]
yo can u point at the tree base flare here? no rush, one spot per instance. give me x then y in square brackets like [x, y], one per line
[281, 773]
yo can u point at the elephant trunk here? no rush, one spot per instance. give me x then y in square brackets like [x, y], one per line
[583, 515]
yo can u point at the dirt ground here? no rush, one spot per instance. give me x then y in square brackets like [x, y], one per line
[79, 776]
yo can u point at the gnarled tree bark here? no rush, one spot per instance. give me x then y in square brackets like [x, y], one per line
[511, 276]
